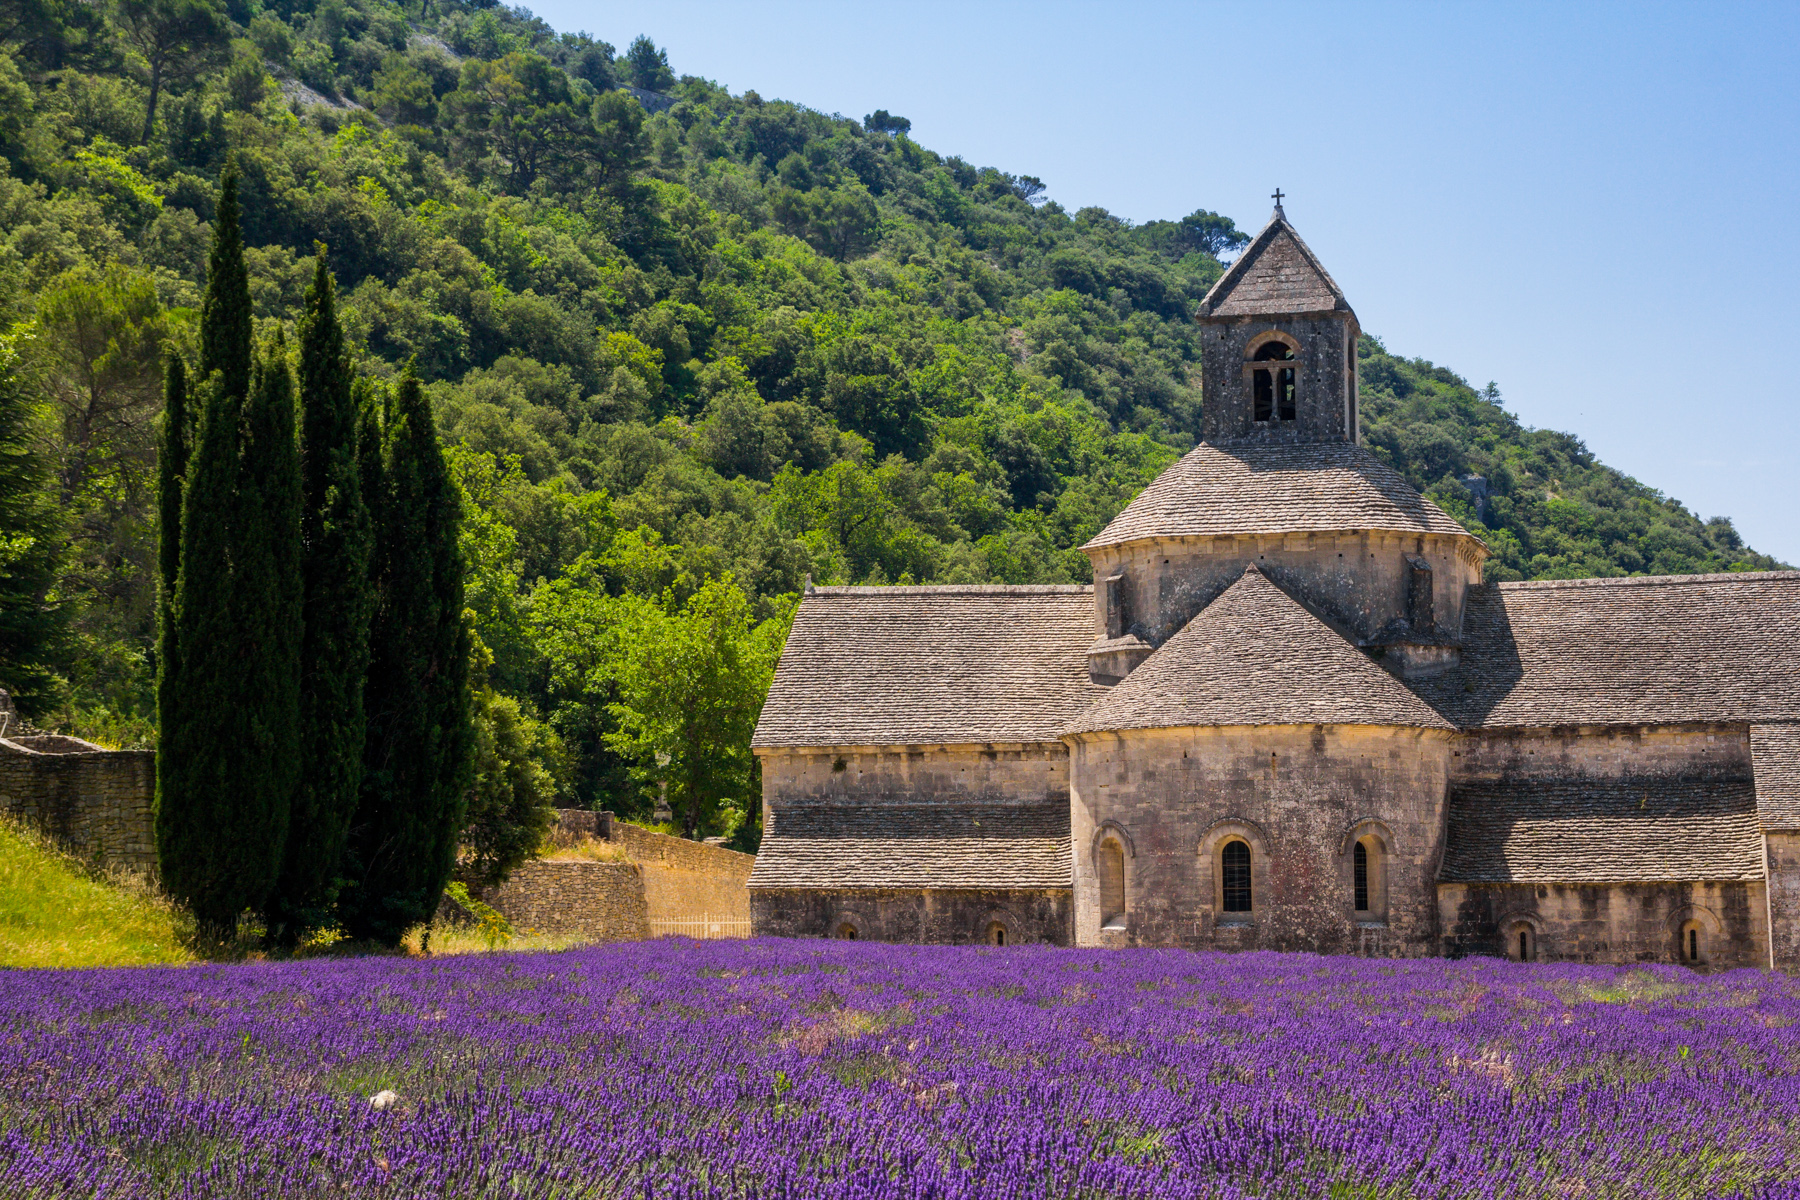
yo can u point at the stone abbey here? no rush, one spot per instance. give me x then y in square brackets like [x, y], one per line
[1288, 714]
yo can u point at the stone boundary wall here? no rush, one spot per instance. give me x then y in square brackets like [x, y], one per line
[96, 803]
[603, 901]
[668, 885]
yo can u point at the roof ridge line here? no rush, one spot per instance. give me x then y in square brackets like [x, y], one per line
[1546, 585]
[951, 589]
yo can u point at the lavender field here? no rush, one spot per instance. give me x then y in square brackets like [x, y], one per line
[842, 1069]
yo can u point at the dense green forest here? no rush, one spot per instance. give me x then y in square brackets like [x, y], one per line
[684, 348]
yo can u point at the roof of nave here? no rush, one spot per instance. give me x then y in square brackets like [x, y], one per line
[1276, 274]
[1592, 830]
[1775, 752]
[1255, 656]
[867, 666]
[915, 846]
[1312, 487]
[1658, 650]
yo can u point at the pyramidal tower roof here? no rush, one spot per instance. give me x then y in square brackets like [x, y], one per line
[1256, 656]
[1276, 273]
[1268, 489]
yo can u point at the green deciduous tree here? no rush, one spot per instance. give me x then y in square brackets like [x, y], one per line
[335, 537]
[691, 683]
[32, 622]
[519, 766]
[648, 66]
[416, 763]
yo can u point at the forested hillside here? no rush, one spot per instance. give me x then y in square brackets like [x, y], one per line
[685, 347]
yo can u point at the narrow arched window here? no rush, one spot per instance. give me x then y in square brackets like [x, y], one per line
[1361, 856]
[846, 931]
[1234, 864]
[1110, 867]
[1273, 387]
[996, 934]
[1524, 945]
[1693, 945]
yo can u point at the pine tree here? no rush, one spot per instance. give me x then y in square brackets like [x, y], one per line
[335, 538]
[229, 747]
[33, 627]
[417, 762]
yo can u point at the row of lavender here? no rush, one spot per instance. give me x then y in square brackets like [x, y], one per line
[789, 1069]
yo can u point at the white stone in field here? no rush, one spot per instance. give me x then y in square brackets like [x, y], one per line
[383, 1099]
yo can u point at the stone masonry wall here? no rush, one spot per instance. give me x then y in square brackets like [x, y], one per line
[1784, 898]
[95, 802]
[1361, 579]
[939, 916]
[1297, 795]
[1036, 773]
[1612, 923]
[683, 879]
[602, 901]
[1321, 394]
[1606, 752]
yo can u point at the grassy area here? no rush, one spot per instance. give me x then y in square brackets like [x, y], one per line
[53, 913]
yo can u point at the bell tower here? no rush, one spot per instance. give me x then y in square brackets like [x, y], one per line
[1277, 347]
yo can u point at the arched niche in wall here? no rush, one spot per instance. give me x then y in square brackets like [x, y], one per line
[1521, 935]
[848, 926]
[1698, 935]
[1112, 854]
[1240, 888]
[999, 927]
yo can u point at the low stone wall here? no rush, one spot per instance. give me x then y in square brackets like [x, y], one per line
[95, 802]
[685, 880]
[602, 901]
[669, 885]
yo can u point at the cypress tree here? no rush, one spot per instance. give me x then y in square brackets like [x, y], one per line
[171, 481]
[417, 760]
[230, 742]
[335, 535]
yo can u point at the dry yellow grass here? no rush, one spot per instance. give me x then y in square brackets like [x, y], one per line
[54, 913]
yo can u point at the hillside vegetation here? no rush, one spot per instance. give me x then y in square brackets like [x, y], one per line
[682, 358]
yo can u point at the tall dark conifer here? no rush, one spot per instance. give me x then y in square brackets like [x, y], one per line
[229, 743]
[335, 536]
[171, 481]
[416, 767]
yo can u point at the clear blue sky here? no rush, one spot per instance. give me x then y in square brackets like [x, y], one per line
[1593, 206]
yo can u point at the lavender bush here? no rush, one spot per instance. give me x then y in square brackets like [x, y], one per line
[802, 1069]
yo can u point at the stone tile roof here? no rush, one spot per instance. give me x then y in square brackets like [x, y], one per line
[1276, 273]
[1646, 651]
[931, 665]
[1602, 831]
[1775, 752]
[1245, 489]
[915, 846]
[1255, 656]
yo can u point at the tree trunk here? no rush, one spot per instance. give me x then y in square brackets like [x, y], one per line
[150, 106]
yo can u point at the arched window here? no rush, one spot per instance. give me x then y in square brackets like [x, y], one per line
[1519, 940]
[845, 932]
[1368, 878]
[1693, 943]
[1272, 387]
[996, 933]
[1234, 867]
[1109, 867]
